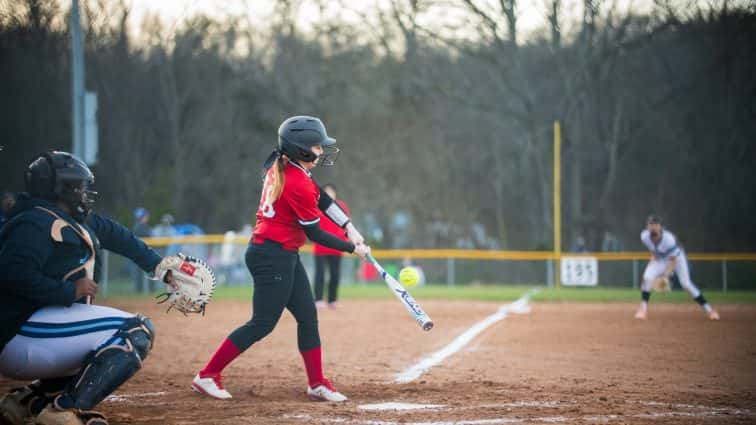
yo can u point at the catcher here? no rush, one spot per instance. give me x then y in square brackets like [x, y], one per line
[76, 352]
[667, 257]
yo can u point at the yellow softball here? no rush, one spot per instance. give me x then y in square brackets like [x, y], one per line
[409, 276]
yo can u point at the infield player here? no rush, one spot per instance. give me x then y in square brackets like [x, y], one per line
[288, 214]
[76, 352]
[667, 257]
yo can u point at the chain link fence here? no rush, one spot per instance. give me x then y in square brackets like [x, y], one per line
[225, 254]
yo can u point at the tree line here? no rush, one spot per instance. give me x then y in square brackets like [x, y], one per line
[451, 128]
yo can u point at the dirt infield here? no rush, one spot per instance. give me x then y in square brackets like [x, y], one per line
[561, 363]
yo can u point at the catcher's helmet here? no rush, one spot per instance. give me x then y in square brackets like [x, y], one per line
[297, 135]
[60, 176]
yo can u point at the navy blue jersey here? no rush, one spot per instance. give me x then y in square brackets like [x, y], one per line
[43, 251]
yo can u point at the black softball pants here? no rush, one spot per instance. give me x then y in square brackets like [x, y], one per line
[333, 262]
[280, 282]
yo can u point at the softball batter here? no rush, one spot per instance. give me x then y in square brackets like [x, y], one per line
[288, 214]
[666, 257]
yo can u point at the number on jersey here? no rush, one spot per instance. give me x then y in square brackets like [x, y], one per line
[266, 205]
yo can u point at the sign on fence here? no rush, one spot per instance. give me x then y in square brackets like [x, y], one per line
[579, 271]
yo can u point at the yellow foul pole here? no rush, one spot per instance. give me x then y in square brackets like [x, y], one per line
[558, 202]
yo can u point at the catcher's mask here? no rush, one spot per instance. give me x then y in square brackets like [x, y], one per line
[297, 135]
[60, 176]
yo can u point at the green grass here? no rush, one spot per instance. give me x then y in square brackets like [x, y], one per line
[633, 295]
[500, 293]
[509, 293]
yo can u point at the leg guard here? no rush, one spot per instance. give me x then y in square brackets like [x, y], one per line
[109, 366]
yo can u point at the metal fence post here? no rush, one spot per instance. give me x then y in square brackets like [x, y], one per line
[724, 275]
[635, 273]
[449, 271]
[550, 273]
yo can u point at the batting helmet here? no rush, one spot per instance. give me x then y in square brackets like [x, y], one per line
[60, 176]
[297, 135]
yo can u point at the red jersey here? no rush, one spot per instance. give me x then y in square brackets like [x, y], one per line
[329, 226]
[282, 220]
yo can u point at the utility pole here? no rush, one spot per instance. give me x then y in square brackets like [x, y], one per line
[77, 82]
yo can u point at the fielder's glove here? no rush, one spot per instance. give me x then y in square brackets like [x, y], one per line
[194, 283]
[661, 284]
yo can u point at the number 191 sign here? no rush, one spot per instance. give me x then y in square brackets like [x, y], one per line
[579, 271]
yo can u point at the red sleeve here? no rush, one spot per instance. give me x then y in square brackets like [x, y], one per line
[303, 199]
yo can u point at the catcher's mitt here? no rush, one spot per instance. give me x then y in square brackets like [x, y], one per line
[196, 283]
[661, 284]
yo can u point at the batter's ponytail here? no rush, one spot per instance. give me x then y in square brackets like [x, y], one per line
[278, 179]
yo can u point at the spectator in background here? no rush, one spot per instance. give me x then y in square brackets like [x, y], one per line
[142, 230]
[328, 257]
[439, 231]
[610, 243]
[165, 230]
[7, 202]
[367, 272]
[142, 223]
[579, 245]
[198, 250]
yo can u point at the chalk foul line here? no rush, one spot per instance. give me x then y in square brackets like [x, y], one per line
[518, 307]
[131, 396]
